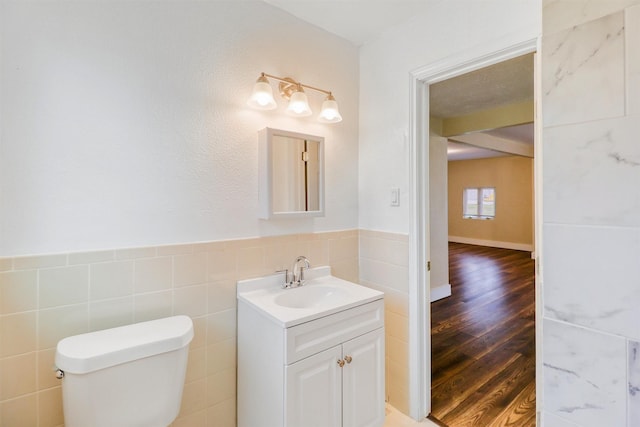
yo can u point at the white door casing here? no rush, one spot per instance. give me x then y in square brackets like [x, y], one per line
[419, 287]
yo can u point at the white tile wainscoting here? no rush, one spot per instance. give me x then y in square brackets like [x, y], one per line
[46, 298]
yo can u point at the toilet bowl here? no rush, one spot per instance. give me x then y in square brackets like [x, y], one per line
[130, 376]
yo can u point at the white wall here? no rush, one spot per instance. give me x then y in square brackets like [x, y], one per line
[438, 218]
[385, 63]
[449, 28]
[124, 123]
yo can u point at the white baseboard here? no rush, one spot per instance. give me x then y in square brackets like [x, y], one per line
[492, 243]
[440, 292]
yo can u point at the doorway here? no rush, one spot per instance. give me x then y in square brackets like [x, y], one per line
[481, 238]
[419, 289]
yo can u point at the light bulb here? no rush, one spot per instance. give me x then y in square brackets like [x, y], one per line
[298, 104]
[330, 112]
[262, 95]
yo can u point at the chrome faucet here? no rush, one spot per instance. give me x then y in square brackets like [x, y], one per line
[298, 272]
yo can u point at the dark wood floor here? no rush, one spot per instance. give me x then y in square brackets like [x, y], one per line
[483, 340]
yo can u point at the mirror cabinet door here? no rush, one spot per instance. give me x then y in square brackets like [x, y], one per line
[291, 174]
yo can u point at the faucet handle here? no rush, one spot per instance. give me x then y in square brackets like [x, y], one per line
[302, 268]
[286, 283]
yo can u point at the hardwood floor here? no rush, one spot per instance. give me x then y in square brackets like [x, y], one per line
[483, 340]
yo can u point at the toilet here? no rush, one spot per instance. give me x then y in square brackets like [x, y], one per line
[130, 376]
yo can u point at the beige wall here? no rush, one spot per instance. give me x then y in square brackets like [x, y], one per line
[513, 179]
[46, 298]
[384, 266]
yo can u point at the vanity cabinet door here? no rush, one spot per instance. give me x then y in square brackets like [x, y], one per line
[313, 391]
[363, 380]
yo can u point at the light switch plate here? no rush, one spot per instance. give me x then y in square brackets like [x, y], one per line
[395, 196]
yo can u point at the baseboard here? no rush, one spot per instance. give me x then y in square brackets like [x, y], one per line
[492, 243]
[440, 292]
[436, 421]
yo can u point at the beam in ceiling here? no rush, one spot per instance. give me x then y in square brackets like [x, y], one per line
[497, 144]
[508, 115]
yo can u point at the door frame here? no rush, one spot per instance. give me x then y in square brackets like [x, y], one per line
[419, 283]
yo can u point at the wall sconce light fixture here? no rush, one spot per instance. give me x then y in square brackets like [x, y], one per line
[291, 90]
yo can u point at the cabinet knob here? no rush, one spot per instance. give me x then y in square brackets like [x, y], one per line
[348, 359]
[340, 363]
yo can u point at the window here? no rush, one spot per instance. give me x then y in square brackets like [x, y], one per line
[479, 203]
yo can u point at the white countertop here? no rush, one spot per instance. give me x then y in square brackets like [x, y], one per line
[263, 294]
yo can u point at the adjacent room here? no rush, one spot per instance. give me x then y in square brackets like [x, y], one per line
[481, 238]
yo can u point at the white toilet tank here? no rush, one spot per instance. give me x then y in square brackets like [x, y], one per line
[131, 376]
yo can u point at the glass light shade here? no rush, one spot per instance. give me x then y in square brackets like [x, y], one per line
[262, 96]
[330, 112]
[298, 104]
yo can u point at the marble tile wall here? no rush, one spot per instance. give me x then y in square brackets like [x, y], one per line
[563, 14]
[606, 295]
[591, 212]
[585, 374]
[46, 298]
[589, 159]
[584, 54]
[634, 384]
[550, 420]
[384, 266]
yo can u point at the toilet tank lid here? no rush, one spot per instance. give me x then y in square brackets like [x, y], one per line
[89, 352]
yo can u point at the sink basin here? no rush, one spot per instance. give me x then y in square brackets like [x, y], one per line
[310, 296]
[322, 294]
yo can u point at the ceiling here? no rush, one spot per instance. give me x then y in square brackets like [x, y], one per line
[505, 83]
[360, 21]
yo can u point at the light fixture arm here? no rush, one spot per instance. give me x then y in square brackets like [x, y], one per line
[290, 81]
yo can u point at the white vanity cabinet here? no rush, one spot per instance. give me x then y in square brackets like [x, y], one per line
[341, 386]
[326, 372]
